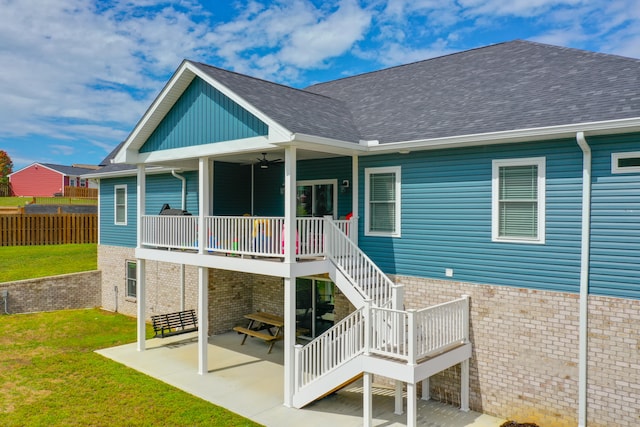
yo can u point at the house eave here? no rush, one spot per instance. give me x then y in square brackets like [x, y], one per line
[512, 136]
[128, 172]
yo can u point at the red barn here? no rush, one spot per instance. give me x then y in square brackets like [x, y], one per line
[46, 179]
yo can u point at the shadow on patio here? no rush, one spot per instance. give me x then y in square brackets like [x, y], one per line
[248, 381]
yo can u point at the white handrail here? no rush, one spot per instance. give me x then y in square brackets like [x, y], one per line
[334, 347]
[361, 271]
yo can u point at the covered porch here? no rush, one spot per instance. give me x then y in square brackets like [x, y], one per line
[248, 381]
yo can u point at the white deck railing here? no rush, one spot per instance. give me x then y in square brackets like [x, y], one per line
[169, 231]
[257, 236]
[415, 334]
[334, 347]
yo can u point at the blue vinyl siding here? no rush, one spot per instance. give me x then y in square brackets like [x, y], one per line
[203, 115]
[338, 168]
[268, 182]
[446, 218]
[166, 188]
[615, 219]
[111, 234]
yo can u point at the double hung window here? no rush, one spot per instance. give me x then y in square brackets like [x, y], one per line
[120, 204]
[382, 201]
[518, 211]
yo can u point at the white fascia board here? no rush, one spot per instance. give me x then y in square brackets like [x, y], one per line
[207, 150]
[175, 86]
[327, 145]
[518, 135]
[128, 172]
[167, 98]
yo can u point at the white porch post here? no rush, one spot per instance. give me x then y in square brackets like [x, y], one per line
[141, 293]
[464, 386]
[426, 392]
[289, 282]
[398, 404]
[412, 410]
[354, 199]
[367, 397]
[204, 179]
[203, 320]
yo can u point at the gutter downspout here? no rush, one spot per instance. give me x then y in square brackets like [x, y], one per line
[184, 188]
[184, 206]
[584, 278]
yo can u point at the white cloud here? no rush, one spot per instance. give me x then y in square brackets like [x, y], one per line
[285, 37]
[69, 59]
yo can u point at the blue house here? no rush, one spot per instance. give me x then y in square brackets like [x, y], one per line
[466, 226]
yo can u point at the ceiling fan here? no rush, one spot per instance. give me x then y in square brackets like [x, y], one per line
[265, 163]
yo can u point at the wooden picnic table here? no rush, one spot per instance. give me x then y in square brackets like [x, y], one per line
[259, 322]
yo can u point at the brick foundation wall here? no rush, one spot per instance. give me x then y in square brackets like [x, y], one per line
[231, 294]
[525, 353]
[63, 292]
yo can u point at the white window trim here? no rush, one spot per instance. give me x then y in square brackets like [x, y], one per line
[115, 204]
[372, 171]
[127, 278]
[617, 156]
[495, 199]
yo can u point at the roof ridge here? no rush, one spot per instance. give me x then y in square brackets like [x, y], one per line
[263, 80]
[416, 62]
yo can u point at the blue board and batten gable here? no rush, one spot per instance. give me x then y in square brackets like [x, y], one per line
[203, 115]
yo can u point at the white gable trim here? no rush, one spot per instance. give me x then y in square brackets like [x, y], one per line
[169, 96]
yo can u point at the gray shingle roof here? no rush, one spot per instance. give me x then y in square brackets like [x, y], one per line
[296, 110]
[68, 170]
[513, 85]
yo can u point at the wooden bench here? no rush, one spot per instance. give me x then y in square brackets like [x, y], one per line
[180, 322]
[269, 339]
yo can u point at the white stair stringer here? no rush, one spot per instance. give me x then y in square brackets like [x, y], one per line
[357, 276]
[331, 381]
[345, 285]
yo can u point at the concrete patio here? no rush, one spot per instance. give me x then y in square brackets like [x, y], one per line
[248, 381]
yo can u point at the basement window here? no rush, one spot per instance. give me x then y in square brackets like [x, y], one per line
[625, 162]
[131, 272]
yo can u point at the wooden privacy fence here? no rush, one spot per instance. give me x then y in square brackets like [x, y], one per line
[25, 230]
[81, 192]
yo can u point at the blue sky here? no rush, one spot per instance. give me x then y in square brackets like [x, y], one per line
[78, 74]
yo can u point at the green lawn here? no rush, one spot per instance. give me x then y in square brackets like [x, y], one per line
[14, 201]
[51, 376]
[27, 262]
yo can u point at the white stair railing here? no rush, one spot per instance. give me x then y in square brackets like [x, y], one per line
[362, 272]
[328, 351]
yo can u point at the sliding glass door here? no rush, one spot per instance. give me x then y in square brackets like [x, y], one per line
[314, 305]
[316, 198]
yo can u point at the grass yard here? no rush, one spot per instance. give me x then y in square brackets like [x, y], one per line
[28, 262]
[51, 376]
[15, 201]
